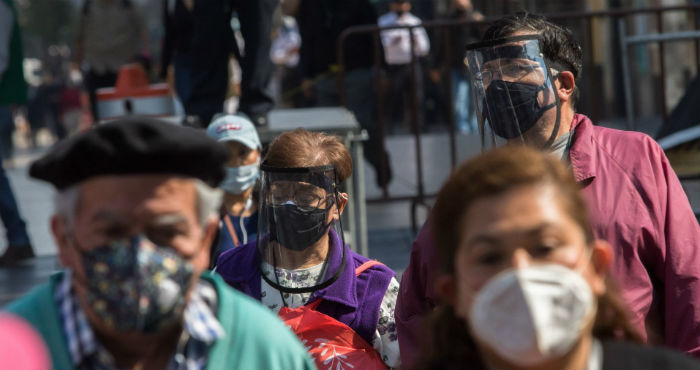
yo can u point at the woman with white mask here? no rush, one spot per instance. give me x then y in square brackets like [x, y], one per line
[239, 216]
[524, 283]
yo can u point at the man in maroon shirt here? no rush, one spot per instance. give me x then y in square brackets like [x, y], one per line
[524, 74]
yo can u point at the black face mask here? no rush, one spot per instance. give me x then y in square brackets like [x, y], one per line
[296, 229]
[514, 107]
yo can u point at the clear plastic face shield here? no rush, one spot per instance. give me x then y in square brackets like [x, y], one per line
[299, 224]
[514, 90]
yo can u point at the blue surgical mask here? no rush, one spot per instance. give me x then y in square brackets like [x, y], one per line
[240, 179]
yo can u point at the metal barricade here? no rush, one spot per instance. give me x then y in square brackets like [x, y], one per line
[591, 84]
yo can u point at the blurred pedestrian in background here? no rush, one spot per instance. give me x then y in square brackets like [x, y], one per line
[523, 280]
[196, 51]
[136, 212]
[111, 33]
[13, 91]
[397, 53]
[524, 76]
[320, 25]
[71, 105]
[284, 53]
[239, 214]
[300, 261]
[44, 107]
[465, 111]
[255, 18]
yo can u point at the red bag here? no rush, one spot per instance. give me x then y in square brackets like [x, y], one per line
[332, 344]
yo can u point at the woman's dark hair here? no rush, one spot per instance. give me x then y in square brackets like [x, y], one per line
[558, 44]
[449, 344]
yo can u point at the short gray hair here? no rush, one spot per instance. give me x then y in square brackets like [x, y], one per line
[208, 202]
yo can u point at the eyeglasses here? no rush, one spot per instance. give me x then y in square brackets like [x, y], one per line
[511, 71]
[306, 197]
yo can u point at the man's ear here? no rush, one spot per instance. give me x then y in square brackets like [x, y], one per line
[601, 259]
[565, 84]
[209, 233]
[446, 288]
[60, 231]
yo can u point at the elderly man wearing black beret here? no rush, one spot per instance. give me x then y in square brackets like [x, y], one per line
[136, 211]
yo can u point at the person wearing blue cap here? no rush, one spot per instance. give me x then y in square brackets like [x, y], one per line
[239, 220]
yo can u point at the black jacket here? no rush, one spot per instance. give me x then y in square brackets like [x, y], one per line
[624, 355]
[201, 40]
[320, 25]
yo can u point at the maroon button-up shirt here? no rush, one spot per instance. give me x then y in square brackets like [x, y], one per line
[637, 204]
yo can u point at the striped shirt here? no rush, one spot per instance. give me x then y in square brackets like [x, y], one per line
[201, 330]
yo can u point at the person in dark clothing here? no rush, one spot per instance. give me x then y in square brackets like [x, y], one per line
[111, 33]
[43, 107]
[13, 91]
[256, 67]
[320, 26]
[465, 116]
[459, 36]
[198, 43]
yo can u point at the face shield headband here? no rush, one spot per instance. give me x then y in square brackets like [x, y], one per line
[506, 96]
[296, 203]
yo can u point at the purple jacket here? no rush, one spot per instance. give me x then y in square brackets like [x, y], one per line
[352, 300]
[636, 204]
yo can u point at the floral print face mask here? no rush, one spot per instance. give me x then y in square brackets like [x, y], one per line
[134, 285]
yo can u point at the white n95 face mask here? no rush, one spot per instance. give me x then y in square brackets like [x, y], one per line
[240, 179]
[530, 315]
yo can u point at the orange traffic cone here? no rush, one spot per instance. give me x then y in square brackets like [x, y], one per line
[134, 95]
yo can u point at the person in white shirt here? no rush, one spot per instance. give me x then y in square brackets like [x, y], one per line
[284, 54]
[397, 53]
[397, 42]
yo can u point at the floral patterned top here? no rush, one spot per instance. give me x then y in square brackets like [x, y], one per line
[385, 340]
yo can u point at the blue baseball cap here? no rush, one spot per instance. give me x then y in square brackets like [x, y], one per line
[233, 127]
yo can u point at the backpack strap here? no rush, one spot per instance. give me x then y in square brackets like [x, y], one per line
[360, 269]
[313, 305]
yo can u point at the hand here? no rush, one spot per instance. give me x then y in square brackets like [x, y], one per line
[434, 75]
[384, 83]
[307, 87]
[170, 79]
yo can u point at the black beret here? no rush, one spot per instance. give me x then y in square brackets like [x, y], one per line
[134, 145]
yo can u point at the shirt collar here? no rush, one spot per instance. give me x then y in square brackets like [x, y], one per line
[199, 320]
[582, 154]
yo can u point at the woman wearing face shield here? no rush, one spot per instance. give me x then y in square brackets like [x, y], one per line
[239, 216]
[524, 283]
[300, 262]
